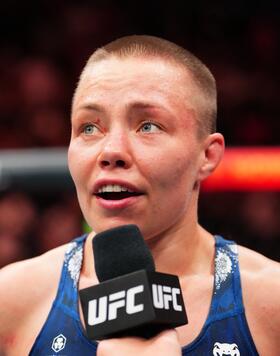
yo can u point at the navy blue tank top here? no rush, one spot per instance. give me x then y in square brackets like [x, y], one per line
[225, 331]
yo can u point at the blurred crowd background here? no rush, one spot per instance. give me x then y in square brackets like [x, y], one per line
[44, 46]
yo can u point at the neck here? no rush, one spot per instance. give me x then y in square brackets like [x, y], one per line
[184, 249]
[184, 252]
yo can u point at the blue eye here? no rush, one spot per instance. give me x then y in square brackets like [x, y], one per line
[149, 127]
[89, 129]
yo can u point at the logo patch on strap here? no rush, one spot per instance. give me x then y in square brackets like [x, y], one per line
[59, 343]
[225, 349]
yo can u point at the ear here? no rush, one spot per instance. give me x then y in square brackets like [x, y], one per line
[213, 150]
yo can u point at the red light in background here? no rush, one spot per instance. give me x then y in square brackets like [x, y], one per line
[246, 169]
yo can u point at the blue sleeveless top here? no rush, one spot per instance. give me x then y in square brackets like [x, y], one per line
[225, 331]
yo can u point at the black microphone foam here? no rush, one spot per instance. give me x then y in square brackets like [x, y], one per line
[120, 251]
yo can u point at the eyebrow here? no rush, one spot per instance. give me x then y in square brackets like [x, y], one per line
[143, 105]
[91, 107]
[140, 105]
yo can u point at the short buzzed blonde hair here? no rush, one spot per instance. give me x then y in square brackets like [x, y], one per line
[155, 47]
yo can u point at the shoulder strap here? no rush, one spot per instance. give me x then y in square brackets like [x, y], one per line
[227, 295]
[67, 294]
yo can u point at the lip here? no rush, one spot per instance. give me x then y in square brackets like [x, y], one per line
[99, 183]
[116, 204]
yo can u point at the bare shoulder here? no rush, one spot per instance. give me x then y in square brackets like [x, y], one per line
[24, 284]
[260, 270]
[260, 278]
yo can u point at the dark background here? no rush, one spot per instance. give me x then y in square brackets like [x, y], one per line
[44, 46]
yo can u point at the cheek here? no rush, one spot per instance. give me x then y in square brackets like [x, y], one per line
[171, 170]
[80, 169]
[79, 164]
[172, 189]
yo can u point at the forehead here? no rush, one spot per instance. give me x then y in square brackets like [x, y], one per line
[134, 76]
[134, 68]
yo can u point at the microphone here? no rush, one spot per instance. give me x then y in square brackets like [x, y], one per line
[132, 299]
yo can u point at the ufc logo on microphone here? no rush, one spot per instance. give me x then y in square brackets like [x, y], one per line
[163, 296]
[108, 306]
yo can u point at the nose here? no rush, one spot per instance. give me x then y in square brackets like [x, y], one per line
[115, 153]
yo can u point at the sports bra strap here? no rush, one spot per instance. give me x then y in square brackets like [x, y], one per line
[67, 294]
[227, 297]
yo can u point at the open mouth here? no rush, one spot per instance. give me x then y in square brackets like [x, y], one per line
[117, 195]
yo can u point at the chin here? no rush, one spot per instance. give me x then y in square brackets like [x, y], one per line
[110, 223]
